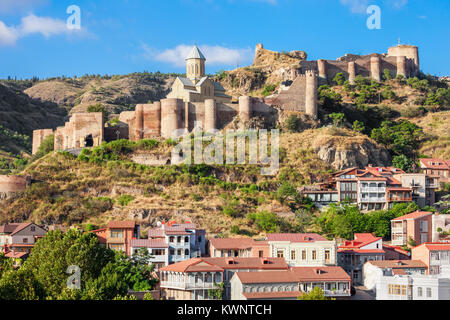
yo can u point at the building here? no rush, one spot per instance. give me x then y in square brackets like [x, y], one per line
[373, 270]
[414, 287]
[416, 227]
[18, 238]
[303, 249]
[434, 255]
[10, 185]
[117, 235]
[184, 241]
[372, 188]
[353, 254]
[290, 284]
[238, 247]
[396, 253]
[197, 86]
[436, 167]
[158, 249]
[192, 279]
[440, 224]
[423, 185]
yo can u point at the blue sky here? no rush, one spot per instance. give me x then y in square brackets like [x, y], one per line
[124, 36]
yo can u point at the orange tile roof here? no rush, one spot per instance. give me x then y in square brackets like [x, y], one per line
[148, 243]
[272, 295]
[191, 265]
[232, 243]
[295, 237]
[285, 276]
[414, 215]
[436, 246]
[361, 240]
[121, 224]
[443, 164]
[398, 264]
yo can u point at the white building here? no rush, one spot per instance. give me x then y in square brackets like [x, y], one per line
[414, 287]
[303, 249]
[373, 270]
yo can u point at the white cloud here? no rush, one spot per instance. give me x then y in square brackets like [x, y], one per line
[398, 3]
[356, 6]
[215, 55]
[32, 24]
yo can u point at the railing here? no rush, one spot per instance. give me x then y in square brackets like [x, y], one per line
[373, 189]
[399, 230]
[337, 292]
[185, 286]
[372, 199]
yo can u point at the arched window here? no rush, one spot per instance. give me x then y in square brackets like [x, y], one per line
[186, 252]
[179, 239]
[179, 252]
[196, 68]
[171, 239]
[186, 239]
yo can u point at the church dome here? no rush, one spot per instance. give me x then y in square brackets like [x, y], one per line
[195, 54]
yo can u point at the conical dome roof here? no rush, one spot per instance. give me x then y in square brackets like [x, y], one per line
[195, 54]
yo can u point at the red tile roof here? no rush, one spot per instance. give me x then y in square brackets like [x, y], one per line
[361, 240]
[285, 276]
[295, 237]
[121, 224]
[437, 164]
[232, 243]
[228, 263]
[414, 215]
[436, 246]
[340, 250]
[398, 264]
[13, 228]
[148, 243]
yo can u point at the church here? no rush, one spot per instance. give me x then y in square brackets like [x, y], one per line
[197, 86]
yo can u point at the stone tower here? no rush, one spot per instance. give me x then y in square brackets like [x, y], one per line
[195, 65]
[311, 93]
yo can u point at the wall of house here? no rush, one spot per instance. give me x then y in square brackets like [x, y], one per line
[319, 246]
[423, 254]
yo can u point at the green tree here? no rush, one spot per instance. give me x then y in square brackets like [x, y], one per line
[402, 162]
[339, 79]
[99, 108]
[20, 285]
[338, 119]
[265, 221]
[358, 126]
[387, 74]
[315, 294]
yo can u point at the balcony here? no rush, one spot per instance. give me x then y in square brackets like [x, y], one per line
[373, 189]
[399, 230]
[432, 185]
[337, 293]
[188, 286]
[372, 199]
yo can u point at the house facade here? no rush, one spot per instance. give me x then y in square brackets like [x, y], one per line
[175, 279]
[416, 227]
[414, 287]
[436, 167]
[184, 241]
[238, 247]
[423, 185]
[158, 250]
[373, 270]
[20, 237]
[303, 249]
[353, 254]
[290, 284]
[434, 255]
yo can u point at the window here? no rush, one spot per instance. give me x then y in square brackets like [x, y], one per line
[327, 255]
[293, 255]
[172, 252]
[116, 234]
[116, 247]
[25, 240]
[171, 239]
[179, 252]
[280, 254]
[158, 252]
[429, 293]
[33, 229]
[304, 255]
[178, 239]
[419, 292]
[199, 239]
[186, 239]
[261, 254]
[186, 252]
[314, 255]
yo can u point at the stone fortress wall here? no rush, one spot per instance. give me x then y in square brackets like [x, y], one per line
[162, 118]
[13, 184]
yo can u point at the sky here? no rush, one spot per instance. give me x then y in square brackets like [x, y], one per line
[40, 38]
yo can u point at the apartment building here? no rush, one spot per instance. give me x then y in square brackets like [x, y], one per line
[416, 226]
[184, 241]
[353, 254]
[440, 226]
[17, 238]
[158, 250]
[238, 247]
[373, 270]
[290, 284]
[192, 279]
[118, 234]
[434, 255]
[436, 167]
[414, 287]
[303, 249]
[423, 187]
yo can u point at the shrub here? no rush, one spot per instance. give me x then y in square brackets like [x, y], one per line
[234, 230]
[358, 126]
[387, 74]
[292, 123]
[339, 79]
[268, 90]
[124, 200]
[265, 221]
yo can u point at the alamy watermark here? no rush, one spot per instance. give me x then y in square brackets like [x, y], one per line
[374, 20]
[232, 148]
[74, 281]
[74, 20]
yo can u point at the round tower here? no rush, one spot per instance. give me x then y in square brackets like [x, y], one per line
[311, 94]
[401, 65]
[245, 108]
[171, 116]
[375, 68]
[210, 115]
[138, 122]
[351, 72]
[195, 65]
[322, 67]
[410, 52]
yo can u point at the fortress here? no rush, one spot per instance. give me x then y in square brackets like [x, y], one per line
[10, 185]
[197, 98]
